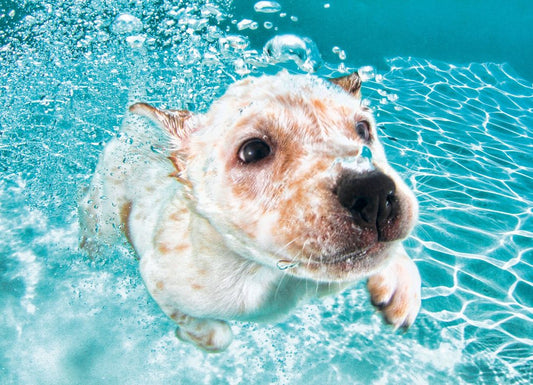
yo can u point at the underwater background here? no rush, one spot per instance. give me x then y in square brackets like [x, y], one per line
[451, 84]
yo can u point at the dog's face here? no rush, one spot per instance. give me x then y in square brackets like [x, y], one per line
[290, 171]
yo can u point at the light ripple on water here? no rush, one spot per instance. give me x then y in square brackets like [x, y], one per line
[460, 135]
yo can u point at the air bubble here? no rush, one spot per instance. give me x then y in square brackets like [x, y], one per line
[232, 42]
[268, 25]
[284, 264]
[126, 23]
[366, 73]
[240, 67]
[301, 50]
[247, 24]
[267, 6]
[136, 41]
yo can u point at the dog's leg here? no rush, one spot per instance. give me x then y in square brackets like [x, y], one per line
[96, 219]
[211, 335]
[395, 290]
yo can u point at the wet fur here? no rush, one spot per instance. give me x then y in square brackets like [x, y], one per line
[220, 240]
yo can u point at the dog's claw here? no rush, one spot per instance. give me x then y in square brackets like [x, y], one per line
[395, 291]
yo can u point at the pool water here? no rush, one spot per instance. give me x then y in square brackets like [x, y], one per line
[460, 134]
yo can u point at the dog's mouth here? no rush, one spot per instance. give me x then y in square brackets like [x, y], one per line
[333, 267]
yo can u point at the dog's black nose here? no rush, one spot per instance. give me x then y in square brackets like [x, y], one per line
[369, 197]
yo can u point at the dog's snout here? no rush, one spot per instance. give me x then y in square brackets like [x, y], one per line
[369, 197]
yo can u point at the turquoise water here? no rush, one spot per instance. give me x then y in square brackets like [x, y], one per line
[460, 134]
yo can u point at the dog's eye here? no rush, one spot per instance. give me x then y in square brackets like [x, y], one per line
[254, 150]
[363, 130]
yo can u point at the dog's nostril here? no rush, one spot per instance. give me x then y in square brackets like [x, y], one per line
[370, 198]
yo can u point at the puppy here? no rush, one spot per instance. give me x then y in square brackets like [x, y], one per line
[281, 191]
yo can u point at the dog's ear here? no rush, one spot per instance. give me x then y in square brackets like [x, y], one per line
[350, 83]
[173, 121]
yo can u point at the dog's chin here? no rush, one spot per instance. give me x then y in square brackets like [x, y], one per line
[348, 265]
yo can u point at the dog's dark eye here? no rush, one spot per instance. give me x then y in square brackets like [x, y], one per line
[254, 150]
[363, 130]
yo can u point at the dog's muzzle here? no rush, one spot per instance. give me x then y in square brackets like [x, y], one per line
[371, 200]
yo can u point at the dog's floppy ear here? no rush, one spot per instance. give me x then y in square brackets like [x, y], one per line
[173, 121]
[350, 83]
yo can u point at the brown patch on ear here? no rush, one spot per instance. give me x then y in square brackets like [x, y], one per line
[173, 121]
[125, 213]
[180, 167]
[350, 83]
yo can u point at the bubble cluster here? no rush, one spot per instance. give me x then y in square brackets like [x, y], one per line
[300, 50]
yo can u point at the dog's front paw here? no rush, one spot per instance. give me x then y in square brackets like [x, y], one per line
[395, 291]
[210, 335]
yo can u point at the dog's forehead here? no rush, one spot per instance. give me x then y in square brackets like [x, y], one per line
[289, 102]
[302, 88]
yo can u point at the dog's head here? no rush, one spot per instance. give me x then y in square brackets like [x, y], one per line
[290, 171]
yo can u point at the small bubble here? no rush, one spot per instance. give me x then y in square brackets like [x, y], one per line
[135, 41]
[336, 50]
[326, 5]
[268, 25]
[126, 23]
[233, 41]
[267, 6]
[366, 73]
[284, 264]
[294, 18]
[342, 55]
[246, 24]
[392, 97]
[240, 67]
[282, 14]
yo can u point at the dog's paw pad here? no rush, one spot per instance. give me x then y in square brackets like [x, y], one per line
[395, 291]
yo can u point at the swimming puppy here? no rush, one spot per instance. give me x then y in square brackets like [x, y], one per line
[281, 191]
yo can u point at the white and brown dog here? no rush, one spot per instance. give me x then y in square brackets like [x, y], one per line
[279, 192]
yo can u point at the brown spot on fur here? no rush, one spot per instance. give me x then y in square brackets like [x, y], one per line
[167, 249]
[210, 339]
[179, 317]
[319, 105]
[195, 286]
[160, 285]
[178, 215]
[125, 212]
[162, 248]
